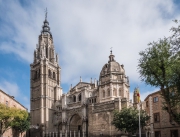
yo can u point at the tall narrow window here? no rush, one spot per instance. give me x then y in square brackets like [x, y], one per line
[46, 52]
[108, 92]
[35, 75]
[79, 97]
[147, 103]
[120, 92]
[49, 73]
[54, 75]
[74, 98]
[156, 117]
[114, 92]
[39, 73]
[103, 94]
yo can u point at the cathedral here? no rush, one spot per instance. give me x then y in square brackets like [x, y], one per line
[86, 110]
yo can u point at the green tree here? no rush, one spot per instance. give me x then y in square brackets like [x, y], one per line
[21, 123]
[6, 117]
[128, 119]
[159, 66]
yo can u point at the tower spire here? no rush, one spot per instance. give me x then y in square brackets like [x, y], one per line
[46, 13]
[45, 27]
[111, 50]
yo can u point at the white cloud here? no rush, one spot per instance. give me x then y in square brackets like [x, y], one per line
[84, 31]
[13, 90]
[10, 88]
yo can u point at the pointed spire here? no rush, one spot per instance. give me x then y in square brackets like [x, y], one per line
[45, 27]
[46, 13]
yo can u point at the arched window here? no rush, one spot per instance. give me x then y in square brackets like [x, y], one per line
[114, 92]
[79, 97]
[74, 98]
[103, 94]
[54, 75]
[108, 92]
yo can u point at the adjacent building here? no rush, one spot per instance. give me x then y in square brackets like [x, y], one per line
[10, 101]
[160, 124]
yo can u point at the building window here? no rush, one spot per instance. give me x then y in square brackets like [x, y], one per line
[74, 98]
[103, 94]
[156, 117]
[174, 133]
[7, 103]
[108, 92]
[54, 75]
[157, 133]
[155, 99]
[39, 73]
[114, 92]
[147, 103]
[35, 75]
[79, 97]
[120, 92]
[95, 100]
[46, 52]
[49, 73]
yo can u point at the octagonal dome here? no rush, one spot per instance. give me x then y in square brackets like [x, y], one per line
[112, 67]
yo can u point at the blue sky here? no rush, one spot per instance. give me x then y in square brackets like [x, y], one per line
[83, 32]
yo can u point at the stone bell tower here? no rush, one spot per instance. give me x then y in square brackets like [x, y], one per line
[45, 80]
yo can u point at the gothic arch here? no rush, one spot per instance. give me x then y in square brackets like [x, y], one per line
[75, 122]
[74, 112]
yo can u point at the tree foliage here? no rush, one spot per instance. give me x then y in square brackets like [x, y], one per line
[22, 123]
[8, 116]
[128, 119]
[159, 66]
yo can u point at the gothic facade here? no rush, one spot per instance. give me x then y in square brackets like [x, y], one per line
[87, 108]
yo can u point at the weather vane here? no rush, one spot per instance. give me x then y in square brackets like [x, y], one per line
[111, 49]
[46, 13]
